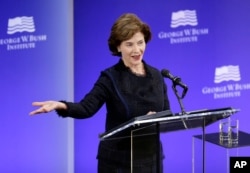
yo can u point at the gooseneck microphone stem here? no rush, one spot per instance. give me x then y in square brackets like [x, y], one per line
[176, 82]
[179, 99]
[181, 104]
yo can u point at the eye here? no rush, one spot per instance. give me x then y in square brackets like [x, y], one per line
[129, 44]
[140, 42]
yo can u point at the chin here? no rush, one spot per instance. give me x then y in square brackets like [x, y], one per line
[138, 62]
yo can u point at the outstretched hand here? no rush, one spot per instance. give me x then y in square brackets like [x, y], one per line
[47, 106]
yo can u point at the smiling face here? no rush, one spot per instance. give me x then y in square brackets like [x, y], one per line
[128, 29]
[132, 50]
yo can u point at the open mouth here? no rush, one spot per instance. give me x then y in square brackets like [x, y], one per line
[136, 57]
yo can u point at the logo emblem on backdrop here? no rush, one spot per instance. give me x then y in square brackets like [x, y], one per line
[227, 73]
[20, 24]
[183, 28]
[183, 18]
[21, 34]
[229, 76]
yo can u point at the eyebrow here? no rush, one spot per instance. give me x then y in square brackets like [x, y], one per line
[130, 42]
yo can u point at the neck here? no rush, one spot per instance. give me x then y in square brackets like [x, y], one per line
[138, 69]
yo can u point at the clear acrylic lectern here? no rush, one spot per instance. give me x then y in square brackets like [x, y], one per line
[135, 130]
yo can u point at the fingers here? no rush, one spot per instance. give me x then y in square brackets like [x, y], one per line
[45, 107]
[38, 103]
[151, 112]
[34, 112]
[39, 111]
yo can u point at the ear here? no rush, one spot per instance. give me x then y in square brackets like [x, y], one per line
[118, 49]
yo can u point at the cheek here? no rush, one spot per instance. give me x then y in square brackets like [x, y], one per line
[143, 49]
[127, 51]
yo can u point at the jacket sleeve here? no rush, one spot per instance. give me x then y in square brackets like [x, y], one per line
[91, 103]
[166, 100]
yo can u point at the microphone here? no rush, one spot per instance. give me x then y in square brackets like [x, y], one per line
[176, 80]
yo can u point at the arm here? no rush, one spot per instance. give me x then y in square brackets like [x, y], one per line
[87, 107]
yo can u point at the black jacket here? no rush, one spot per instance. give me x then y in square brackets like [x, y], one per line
[126, 95]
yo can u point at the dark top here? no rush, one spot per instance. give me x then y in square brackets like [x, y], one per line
[126, 95]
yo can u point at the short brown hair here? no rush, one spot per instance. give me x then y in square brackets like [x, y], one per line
[124, 28]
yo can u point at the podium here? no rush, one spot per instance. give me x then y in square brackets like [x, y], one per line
[150, 126]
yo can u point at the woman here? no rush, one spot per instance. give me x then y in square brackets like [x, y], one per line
[129, 88]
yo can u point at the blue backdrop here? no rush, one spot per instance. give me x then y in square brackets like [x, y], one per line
[36, 58]
[204, 42]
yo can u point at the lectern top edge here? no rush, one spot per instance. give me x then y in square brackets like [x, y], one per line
[167, 117]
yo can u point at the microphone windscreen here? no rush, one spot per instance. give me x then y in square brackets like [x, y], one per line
[165, 73]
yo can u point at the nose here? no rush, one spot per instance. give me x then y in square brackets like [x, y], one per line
[136, 48]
